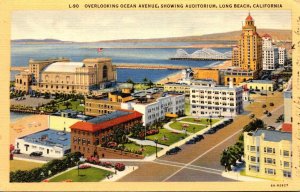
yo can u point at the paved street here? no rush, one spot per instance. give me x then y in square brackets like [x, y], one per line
[200, 161]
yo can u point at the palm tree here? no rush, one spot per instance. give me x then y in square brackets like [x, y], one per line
[145, 80]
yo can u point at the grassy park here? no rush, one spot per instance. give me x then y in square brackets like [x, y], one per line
[91, 174]
[166, 137]
[204, 121]
[146, 149]
[191, 128]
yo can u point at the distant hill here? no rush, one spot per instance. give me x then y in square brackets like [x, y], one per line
[277, 34]
[38, 41]
[282, 35]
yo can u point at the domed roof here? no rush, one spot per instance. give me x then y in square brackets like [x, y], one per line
[69, 67]
[249, 18]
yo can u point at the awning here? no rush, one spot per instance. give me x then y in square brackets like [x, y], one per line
[171, 115]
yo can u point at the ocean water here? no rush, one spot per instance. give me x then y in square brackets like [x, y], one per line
[14, 116]
[119, 52]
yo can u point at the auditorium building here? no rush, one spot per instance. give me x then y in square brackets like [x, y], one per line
[63, 76]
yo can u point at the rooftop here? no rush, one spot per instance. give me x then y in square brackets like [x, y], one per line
[69, 67]
[221, 88]
[274, 136]
[49, 138]
[107, 117]
[106, 121]
[71, 114]
[261, 81]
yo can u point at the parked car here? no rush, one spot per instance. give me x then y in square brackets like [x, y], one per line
[266, 112]
[271, 128]
[192, 141]
[271, 104]
[251, 116]
[264, 106]
[263, 94]
[16, 151]
[200, 137]
[210, 131]
[269, 114]
[36, 153]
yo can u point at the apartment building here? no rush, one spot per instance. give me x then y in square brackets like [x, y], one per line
[282, 56]
[155, 106]
[269, 56]
[268, 154]
[216, 101]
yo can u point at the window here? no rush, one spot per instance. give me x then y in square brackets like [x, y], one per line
[253, 159]
[254, 168]
[252, 148]
[287, 174]
[286, 153]
[286, 164]
[270, 171]
[269, 160]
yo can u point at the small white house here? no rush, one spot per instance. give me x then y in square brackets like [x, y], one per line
[52, 143]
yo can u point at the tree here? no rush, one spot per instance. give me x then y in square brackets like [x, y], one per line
[67, 104]
[150, 83]
[130, 81]
[145, 80]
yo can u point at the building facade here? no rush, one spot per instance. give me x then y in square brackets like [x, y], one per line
[259, 85]
[208, 73]
[52, 143]
[270, 58]
[282, 56]
[157, 106]
[249, 55]
[216, 101]
[87, 136]
[185, 88]
[107, 104]
[62, 76]
[268, 154]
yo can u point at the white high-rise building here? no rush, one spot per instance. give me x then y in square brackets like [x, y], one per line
[281, 55]
[216, 101]
[270, 58]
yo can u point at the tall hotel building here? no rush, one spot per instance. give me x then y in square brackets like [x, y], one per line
[247, 55]
[216, 101]
[63, 76]
[270, 58]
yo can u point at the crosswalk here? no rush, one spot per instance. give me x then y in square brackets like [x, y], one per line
[188, 166]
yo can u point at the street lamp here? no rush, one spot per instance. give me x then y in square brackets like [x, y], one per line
[156, 141]
[81, 159]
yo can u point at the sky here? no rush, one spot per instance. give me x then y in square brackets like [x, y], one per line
[88, 26]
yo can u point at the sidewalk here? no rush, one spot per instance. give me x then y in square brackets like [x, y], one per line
[147, 142]
[237, 176]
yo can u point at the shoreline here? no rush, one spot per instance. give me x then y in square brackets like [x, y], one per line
[177, 76]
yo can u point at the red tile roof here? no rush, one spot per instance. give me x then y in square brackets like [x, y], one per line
[286, 127]
[87, 126]
[249, 18]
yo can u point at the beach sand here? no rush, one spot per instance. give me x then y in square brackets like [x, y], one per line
[27, 125]
[177, 76]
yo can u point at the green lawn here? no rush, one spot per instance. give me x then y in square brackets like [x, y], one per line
[202, 120]
[85, 175]
[23, 165]
[191, 127]
[75, 105]
[170, 137]
[147, 150]
[141, 86]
